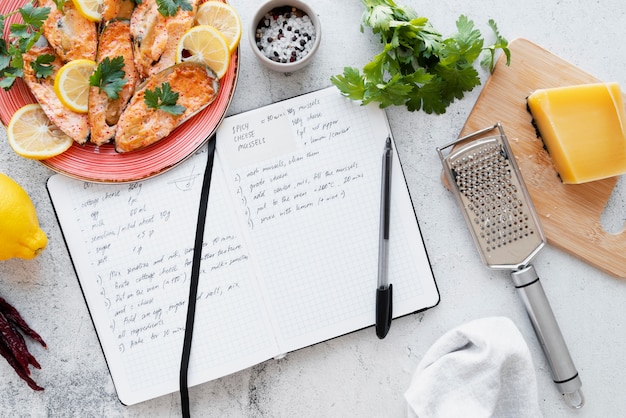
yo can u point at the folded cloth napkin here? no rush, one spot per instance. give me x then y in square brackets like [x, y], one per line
[480, 369]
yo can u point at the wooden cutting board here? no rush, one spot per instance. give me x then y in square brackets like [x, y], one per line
[570, 214]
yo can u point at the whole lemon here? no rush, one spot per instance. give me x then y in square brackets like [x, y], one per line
[20, 234]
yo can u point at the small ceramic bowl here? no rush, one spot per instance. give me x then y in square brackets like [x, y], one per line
[287, 40]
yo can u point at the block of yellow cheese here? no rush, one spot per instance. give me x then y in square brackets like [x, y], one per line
[583, 129]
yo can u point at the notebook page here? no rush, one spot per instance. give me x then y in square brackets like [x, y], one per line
[132, 248]
[305, 176]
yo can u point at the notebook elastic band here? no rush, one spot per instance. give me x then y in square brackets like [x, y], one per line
[195, 273]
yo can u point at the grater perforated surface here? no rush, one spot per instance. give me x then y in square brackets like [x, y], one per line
[496, 205]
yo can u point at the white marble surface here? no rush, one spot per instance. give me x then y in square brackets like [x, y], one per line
[355, 375]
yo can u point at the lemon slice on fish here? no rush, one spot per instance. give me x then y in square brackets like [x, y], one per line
[90, 9]
[206, 45]
[31, 134]
[71, 84]
[222, 17]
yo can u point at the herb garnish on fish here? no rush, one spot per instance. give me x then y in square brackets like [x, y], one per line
[21, 38]
[170, 7]
[59, 3]
[109, 76]
[164, 99]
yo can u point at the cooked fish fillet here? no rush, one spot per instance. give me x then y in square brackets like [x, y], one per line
[110, 9]
[155, 37]
[140, 126]
[126, 8]
[75, 125]
[104, 112]
[70, 34]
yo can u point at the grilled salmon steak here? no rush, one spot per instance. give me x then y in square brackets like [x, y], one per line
[70, 34]
[117, 9]
[155, 37]
[140, 125]
[104, 112]
[75, 125]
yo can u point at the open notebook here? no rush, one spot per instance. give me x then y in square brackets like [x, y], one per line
[290, 249]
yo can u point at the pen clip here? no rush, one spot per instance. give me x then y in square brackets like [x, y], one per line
[384, 300]
[386, 189]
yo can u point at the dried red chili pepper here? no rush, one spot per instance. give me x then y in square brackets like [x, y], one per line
[4, 351]
[13, 345]
[14, 316]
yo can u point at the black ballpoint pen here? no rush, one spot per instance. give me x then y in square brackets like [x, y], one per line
[384, 297]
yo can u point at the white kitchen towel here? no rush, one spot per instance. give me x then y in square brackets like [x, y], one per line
[480, 369]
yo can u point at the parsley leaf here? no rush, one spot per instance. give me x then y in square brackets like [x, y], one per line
[34, 16]
[43, 65]
[22, 36]
[109, 76]
[164, 99]
[59, 3]
[417, 67]
[170, 7]
[500, 43]
[351, 83]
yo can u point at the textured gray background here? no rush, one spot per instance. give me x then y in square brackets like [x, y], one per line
[355, 375]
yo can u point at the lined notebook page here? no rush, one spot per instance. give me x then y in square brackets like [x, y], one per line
[305, 175]
[132, 246]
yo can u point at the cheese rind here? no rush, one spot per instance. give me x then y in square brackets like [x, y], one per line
[583, 129]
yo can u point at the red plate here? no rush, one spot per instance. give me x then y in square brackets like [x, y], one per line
[103, 163]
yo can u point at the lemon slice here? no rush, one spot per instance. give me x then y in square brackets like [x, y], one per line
[90, 9]
[71, 84]
[31, 134]
[207, 45]
[222, 17]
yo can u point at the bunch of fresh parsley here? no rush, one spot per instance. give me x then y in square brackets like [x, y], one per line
[418, 67]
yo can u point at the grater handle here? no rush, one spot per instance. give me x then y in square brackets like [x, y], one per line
[547, 329]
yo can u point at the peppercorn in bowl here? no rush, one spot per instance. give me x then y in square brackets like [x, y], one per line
[285, 34]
